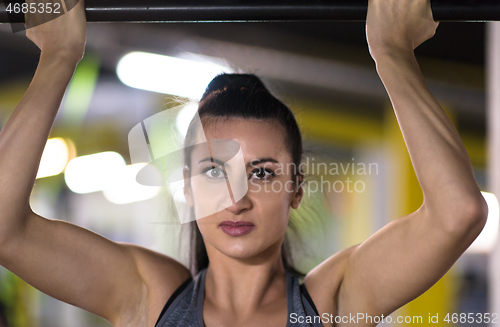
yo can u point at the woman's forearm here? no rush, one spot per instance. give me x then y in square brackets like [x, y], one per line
[25, 134]
[441, 163]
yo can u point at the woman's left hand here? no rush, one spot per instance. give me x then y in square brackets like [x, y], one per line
[394, 26]
[410, 254]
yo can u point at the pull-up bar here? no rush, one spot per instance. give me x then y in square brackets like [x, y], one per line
[171, 11]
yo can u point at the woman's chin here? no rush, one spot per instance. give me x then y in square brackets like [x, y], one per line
[248, 249]
[241, 251]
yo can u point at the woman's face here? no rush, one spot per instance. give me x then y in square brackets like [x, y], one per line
[258, 219]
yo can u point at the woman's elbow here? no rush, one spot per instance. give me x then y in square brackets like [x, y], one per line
[460, 217]
[471, 216]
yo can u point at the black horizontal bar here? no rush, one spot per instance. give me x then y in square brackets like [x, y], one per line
[263, 10]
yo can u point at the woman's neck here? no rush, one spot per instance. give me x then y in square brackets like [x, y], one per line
[245, 285]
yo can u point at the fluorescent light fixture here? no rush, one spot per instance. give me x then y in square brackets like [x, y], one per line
[485, 242]
[169, 75]
[125, 189]
[184, 118]
[55, 156]
[94, 172]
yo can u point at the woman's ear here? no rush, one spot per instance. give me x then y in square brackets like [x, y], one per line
[187, 187]
[299, 193]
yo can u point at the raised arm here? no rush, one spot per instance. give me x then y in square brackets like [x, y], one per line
[122, 283]
[410, 254]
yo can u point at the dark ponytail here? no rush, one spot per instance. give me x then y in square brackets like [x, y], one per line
[243, 96]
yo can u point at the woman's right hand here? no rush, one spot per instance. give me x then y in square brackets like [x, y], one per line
[64, 35]
[125, 284]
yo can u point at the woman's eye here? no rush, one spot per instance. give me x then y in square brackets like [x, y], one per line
[262, 174]
[215, 173]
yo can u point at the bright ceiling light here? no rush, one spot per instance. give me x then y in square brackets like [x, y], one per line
[169, 75]
[55, 156]
[125, 189]
[94, 172]
[485, 242]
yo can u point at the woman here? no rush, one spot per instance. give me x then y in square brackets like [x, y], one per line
[246, 282]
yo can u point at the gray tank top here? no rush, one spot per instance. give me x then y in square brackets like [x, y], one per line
[185, 307]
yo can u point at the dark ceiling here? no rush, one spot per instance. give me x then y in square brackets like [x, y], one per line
[456, 42]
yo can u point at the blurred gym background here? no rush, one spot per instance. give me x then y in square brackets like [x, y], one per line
[322, 70]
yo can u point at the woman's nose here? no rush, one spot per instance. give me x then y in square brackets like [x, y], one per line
[240, 206]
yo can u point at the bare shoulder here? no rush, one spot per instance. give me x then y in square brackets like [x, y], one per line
[161, 275]
[323, 282]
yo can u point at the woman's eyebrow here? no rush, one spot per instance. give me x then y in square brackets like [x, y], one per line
[212, 160]
[251, 164]
[255, 162]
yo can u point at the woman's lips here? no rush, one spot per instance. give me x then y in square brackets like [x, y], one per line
[236, 228]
